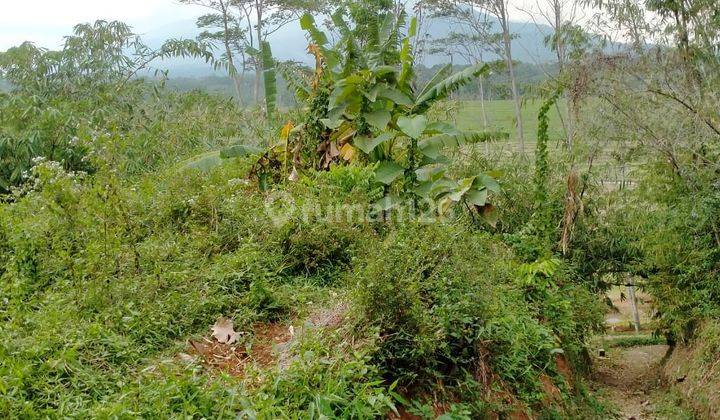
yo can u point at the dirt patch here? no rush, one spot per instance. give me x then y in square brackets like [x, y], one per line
[269, 341]
[216, 356]
[630, 380]
[629, 377]
[262, 349]
[331, 317]
[268, 345]
[563, 367]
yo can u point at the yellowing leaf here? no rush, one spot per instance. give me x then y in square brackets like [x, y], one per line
[444, 205]
[285, 132]
[348, 152]
[490, 214]
[334, 152]
[223, 331]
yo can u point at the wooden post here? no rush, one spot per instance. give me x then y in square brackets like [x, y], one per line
[633, 303]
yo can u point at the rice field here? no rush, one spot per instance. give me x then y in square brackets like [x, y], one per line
[500, 115]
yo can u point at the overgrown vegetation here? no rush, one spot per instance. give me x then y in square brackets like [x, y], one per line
[177, 255]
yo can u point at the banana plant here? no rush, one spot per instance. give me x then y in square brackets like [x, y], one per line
[360, 104]
[426, 172]
[269, 66]
[372, 112]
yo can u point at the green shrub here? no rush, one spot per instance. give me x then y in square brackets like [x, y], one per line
[320, 247]
[443, 300]
[328, 377]
[348, 178]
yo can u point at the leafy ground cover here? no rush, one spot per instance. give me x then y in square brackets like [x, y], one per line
[373, 252]
[111, 289]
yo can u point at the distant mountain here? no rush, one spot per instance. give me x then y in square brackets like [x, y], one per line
[528, 45]
[290, 43]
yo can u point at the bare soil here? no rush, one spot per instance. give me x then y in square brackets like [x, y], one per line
[630, 380]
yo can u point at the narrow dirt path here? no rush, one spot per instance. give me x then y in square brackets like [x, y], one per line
[629, 379]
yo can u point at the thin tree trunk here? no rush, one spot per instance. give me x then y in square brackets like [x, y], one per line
[228, 52]
[569, 122]
[633, 304]
[258, 60]
[513, 86]
[560, 51]
[482, 111]
[238, 89]
[559, 45]
[482, 103]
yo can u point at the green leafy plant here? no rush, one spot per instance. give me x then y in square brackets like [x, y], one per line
[361, 104]
[89, 85]
[269, 78]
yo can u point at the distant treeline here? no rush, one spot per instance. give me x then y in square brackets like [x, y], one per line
[496, 86]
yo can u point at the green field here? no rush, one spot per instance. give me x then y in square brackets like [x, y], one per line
[501, 116]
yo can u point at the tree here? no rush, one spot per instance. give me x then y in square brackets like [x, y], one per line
[560, 15]
[568, 40]
[224, 27]
[56, 95]
[695, 27]
[499, 9]
[471, 46]
[571, 43]
[472, 15]
[242, 26]
[264, 18]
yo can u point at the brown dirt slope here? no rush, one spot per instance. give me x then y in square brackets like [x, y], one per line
[695, 372]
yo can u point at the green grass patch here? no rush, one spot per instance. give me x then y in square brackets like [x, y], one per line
[501, 116]
[633, 341]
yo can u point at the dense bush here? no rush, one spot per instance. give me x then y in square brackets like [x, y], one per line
[135, 285]
[446, 302]
[147, 264]
[666, 234]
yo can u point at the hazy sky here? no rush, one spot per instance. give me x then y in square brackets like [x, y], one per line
[45, 22]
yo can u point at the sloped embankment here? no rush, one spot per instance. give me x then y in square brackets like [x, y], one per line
[694, 371]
